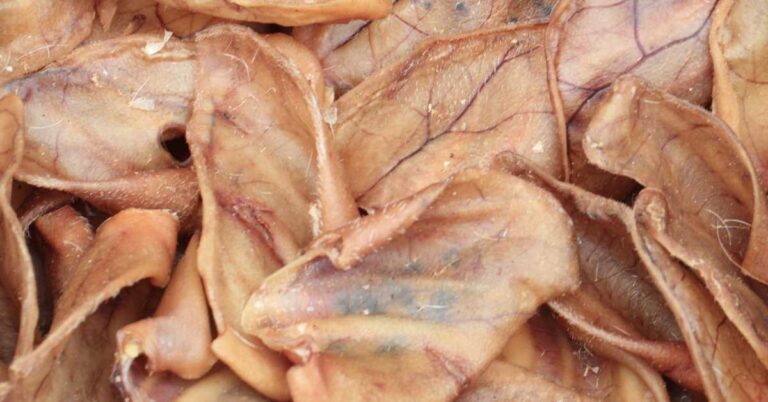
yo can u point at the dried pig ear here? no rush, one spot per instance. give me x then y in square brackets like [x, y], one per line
[438, 111]
[129, 247]
[220, 385]
[739, 44]
[177, 338]
[729, 369]
[95, 123]
[40, 202]
[351, 52]
[38, 32]
[127, 17]
[82, 370]
[597, 325]
[306, 61]
[263, 159]
[717, 218]
[18, 291]
[539, 363]
[591, 43]
[66, 234]
[421, 316]
[287, 12]
[607, 257]
[616, 289]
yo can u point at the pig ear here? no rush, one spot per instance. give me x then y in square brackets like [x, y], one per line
[113, 158]
[728, 367]
[177, 338]
[264, 160]
[289, 13]
[740, 61]
[470, 269]
[18, 306]
[438, 111]
[353, 51]
[539, 359]
[593, 322]
[28, 28]
[616, 289]
[350, 244]
[590, 45]
[131, 246]
[716, 218]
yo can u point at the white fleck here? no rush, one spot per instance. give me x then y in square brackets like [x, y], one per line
[142, 104]
[153, 47]
[538, 148]
[330, 115]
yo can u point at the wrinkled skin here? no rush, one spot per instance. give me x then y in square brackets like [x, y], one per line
[607, 259]
[716, 219]
[178, 336]
[597, 325]
[739, 43]
[219, 385]
[127, 17]
[256, 216]
[18, 308]
[131, 246]
[112, 158]
[26, 47]
[40, 202]
[437, 112]
[590, 43]
[616, 289]
[540, 363]
[729, 368]
[306, 62]
[82, 371]
[286, 12]
[66, 234]
[351, 52]
[18, 293]
[421, 316]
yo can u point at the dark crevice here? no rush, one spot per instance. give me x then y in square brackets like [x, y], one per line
[174, 142]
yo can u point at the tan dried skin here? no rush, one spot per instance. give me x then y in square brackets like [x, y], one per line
[112, 158]
[177, 338]
[351, 52]
[607, 258]
[590, 43]
[25, 47]
[286, 12]
[437, 111]
[716, 220]
[131, 246]
[220, 385]
[422, 315]
[81, 372]
[128, 17]
[540, 362]
[67, 234]
[728, 367]
[739, 45]
[18, 293]
[256, 215]
[616, 289]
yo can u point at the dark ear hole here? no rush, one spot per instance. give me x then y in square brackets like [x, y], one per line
[362, 212]
[174, 142]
